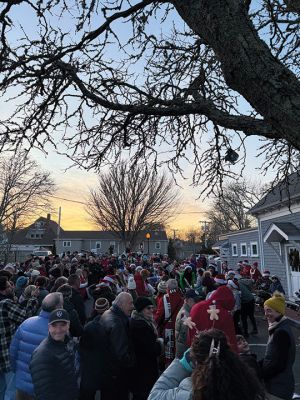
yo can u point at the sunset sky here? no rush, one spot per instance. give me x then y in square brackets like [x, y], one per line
[74, 184]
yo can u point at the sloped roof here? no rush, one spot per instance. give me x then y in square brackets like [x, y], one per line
[220, 243]
[279, 231]
[282, 194]
[49, 234]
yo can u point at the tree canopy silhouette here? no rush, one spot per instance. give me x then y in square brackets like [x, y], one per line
[166, 80]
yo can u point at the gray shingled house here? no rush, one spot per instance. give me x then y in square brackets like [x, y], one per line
[278, 216]
[39, 235]
[43, 234]
[238, 246]
[100, 242]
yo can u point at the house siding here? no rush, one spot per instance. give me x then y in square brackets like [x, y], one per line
[277, 265]
[89, 244]
[238, 238]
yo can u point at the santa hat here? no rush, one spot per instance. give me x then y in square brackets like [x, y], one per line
[108, 279]
[230, 272]
[266, 273]
[255, 264]
[232, 284]
[220, 279]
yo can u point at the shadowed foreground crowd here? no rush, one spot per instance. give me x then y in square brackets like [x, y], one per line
[157, 330]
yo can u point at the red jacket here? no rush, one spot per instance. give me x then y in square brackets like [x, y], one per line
[224, 301]
[140, 285]
[255, 274]
[176, 301]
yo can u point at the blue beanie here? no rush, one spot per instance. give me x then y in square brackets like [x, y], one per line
[21, 282]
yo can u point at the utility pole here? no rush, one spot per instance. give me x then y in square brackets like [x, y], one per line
[174, 233]
[204, 224]
[58, 226]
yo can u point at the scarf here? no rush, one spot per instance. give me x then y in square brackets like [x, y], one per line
[274, 324]
[140, 317]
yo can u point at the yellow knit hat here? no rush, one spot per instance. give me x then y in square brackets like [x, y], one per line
[276, 302]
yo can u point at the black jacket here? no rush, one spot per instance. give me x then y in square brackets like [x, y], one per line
[78, 304]
[54, 369]
[116, 325]
[76, 328]
[277, 365]
[94, 356]
[146, 349]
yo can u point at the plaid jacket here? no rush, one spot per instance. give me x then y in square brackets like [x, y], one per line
[12, 315]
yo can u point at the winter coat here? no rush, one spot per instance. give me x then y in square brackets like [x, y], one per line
[276, 286]
[76, 327]
[78, 304]
[251, 360]
[54, 369]
[277, 365]
[174, 384]
[176, 301]
[185, 281]
[181, 330]
[246, 294]
[255, 274]
[141, 288]
[11, 316]
[94, 355]
[26, 339]
[116, 325]
[224, 300]
[146, 349]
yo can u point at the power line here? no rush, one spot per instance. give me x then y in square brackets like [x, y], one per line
[81, 202]
[71, 201]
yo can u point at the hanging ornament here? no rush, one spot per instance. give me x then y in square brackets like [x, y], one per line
[213, 311]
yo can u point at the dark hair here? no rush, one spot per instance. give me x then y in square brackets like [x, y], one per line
[3, 282]
[41, 281]
[73, 279]
[59, 282]
[65, 290]
[221, 375]
[6, 274]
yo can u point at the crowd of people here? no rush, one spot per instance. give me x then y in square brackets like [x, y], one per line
[156, 329]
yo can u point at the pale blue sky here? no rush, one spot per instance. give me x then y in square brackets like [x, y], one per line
[74, 183]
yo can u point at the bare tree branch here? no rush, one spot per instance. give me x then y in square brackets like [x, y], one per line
[103, 90]
[129, 200]
[25, 190]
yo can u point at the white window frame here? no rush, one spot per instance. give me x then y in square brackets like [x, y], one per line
[157, 246]
[251, 246]
[244, 254]
[67, 243]
[234, 253]
[98, 245]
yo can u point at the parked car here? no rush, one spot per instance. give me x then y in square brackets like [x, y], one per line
[42, 253]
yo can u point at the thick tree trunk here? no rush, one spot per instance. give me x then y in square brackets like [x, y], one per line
[248, 65]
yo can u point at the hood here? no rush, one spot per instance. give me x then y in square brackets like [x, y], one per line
[223, 297]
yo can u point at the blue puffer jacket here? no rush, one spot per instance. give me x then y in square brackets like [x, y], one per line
[26, 339]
